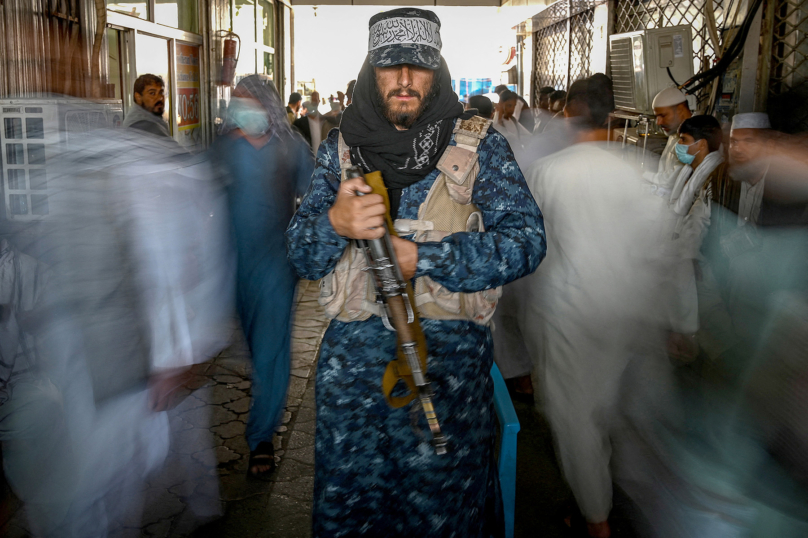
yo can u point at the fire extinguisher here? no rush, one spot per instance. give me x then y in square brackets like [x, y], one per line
[231, 50]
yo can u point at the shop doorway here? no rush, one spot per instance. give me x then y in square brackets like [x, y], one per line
[136, 47]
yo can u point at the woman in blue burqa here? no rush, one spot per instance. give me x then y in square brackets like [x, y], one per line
[269, 167]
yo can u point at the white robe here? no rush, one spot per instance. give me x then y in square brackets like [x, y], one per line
[590, 303]
[664, 178]
[516, 135]
[690, 204]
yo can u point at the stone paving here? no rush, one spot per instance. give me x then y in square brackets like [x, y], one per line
[208, 449]
[282, 506]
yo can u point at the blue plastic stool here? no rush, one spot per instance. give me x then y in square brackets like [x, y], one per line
[508, 428]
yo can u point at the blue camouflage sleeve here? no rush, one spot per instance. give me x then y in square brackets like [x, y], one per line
[514, 241]
[312, 245]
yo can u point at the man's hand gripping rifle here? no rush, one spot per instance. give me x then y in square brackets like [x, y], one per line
[398, 314]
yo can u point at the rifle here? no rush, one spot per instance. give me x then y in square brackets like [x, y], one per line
[399, 315]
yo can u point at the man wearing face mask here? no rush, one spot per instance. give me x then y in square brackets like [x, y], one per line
[310, 125]
[698, 149]
[269, 166]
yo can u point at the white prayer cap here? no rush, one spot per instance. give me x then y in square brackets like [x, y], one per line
[669, 97]
[751, 120]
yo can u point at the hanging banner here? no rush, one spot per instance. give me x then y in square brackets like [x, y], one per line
[188, 105]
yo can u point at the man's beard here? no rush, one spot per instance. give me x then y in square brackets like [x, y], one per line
[402, 118]
[749, 172]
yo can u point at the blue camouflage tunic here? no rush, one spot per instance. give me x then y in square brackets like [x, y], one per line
[374, 475]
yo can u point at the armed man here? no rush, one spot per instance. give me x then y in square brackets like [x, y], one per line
[468, 225]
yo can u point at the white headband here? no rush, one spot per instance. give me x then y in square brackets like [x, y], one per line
[404, 31]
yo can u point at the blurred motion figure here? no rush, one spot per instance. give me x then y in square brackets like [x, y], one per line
[269, 167]
[586, 311]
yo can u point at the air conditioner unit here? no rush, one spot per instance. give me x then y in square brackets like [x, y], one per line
[35, 130]
[644, 63]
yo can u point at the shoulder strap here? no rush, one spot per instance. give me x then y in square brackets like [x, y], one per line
[468, 133]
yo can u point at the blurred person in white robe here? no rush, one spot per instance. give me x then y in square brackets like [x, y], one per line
[510, 353]
[522, 112]
[506, 123]
[699, 151]
[142, 284]
[543, 113]
[589, 308]
[560, 132]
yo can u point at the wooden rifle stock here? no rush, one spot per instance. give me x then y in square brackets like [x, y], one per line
[399, 314]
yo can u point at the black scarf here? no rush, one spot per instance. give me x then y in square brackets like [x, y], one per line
[403, 157]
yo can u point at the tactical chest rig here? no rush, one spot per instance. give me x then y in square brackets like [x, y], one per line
[348, 294]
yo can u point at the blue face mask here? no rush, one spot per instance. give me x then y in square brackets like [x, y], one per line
[682, 154]
[248, 116]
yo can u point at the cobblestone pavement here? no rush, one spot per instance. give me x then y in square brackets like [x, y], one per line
[214, 414]
[282, 506]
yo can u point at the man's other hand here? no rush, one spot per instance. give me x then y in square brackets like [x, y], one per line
[407, 255]
[357, 217]
[167, 388]
[682, 348]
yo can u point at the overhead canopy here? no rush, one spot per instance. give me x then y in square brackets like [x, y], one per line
[496, 3]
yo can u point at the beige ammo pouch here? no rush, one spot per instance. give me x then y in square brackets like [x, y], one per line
[347, 293]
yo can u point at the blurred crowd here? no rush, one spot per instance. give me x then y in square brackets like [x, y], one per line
[664, 337]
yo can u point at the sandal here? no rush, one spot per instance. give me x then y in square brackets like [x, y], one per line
[263, 455]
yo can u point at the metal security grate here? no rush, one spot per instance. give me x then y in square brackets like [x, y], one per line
[581, 29]
[788, 79]
[551, 57]
[563, 38]
[633, 15]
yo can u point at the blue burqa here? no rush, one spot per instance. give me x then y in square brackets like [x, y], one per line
[265, 182]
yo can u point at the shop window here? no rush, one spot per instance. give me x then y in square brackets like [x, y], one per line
[16, 179]
[15, 154]
[18, 203]
[244, 20]
[115, 63]
[254, 22]
[39, 204]
[244, 26]
[38, 178]
[34, 128]
[134, 9]
[36, 154]
[266, 21]
[269, 65]
[13, 127]
[182, 14]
